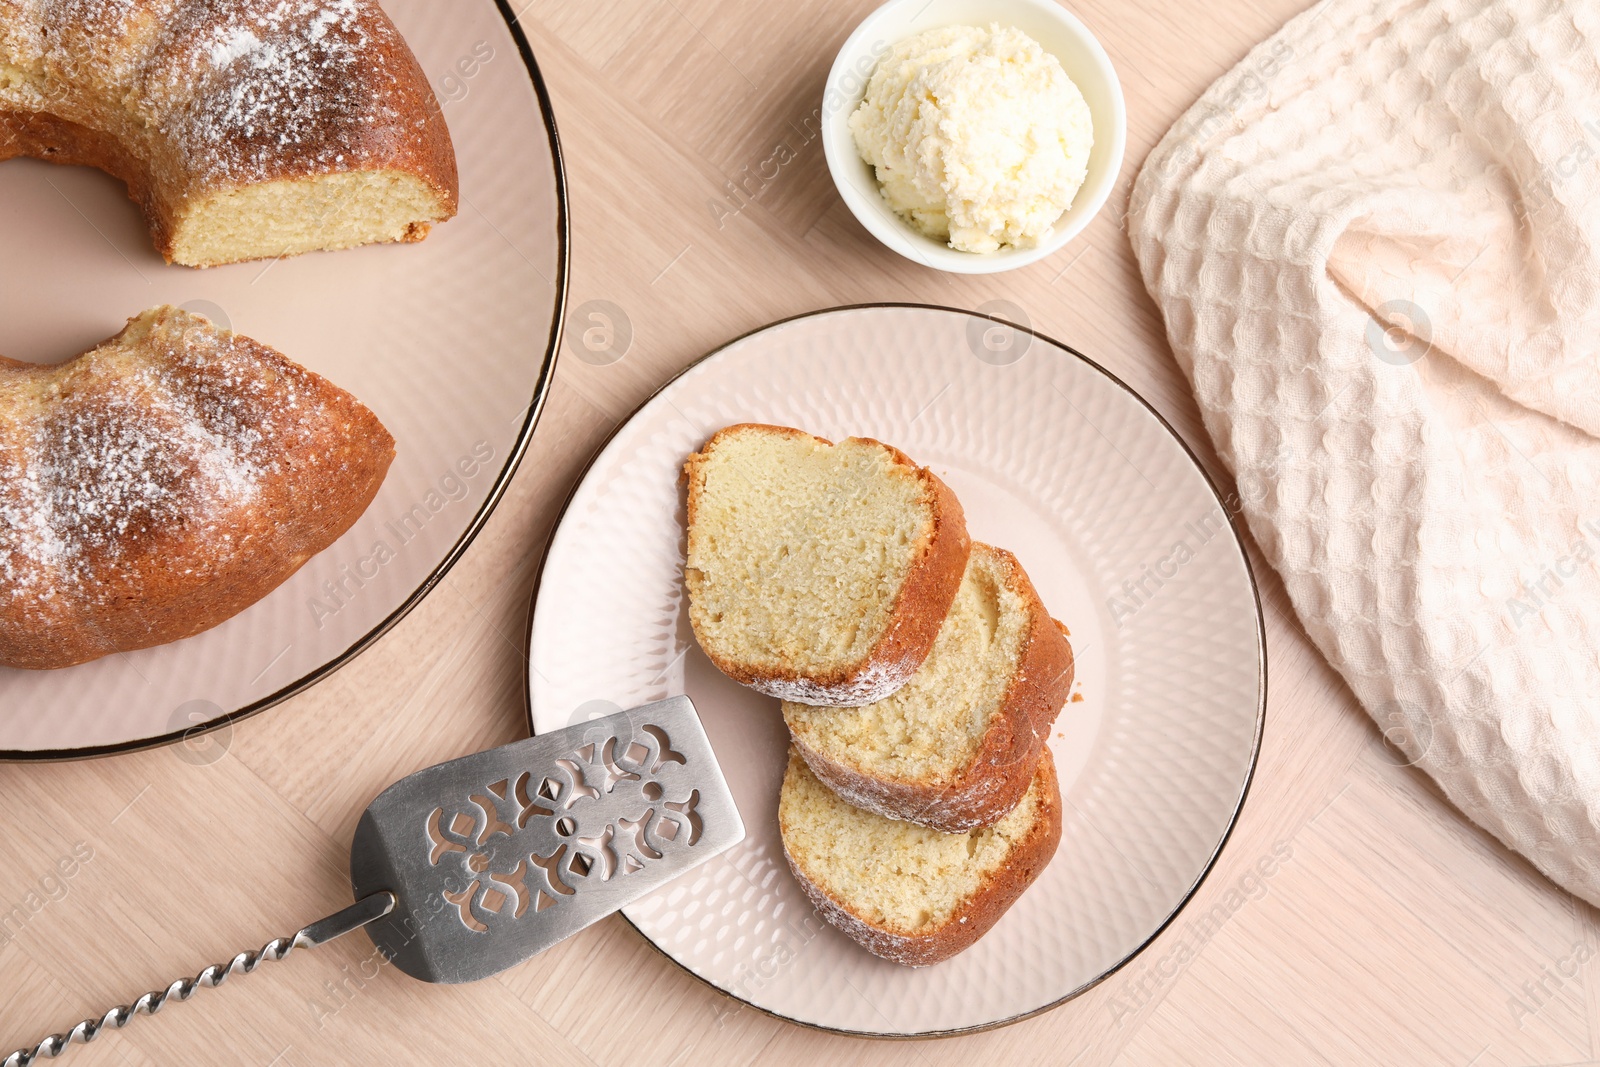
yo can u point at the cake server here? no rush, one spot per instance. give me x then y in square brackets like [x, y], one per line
[466, 868]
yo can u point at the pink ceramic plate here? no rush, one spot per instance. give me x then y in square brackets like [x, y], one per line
[451, 342]
[1128, 543]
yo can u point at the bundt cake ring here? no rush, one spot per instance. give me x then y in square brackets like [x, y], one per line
[244, 129]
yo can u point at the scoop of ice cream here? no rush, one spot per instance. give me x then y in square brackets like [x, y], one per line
[977, 135]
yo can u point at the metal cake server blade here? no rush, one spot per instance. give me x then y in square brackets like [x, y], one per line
[466, 868]
[499, 855]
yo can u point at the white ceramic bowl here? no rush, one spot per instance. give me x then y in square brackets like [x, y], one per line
[1062, 35]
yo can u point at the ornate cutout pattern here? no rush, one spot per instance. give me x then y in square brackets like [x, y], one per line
[603, 812]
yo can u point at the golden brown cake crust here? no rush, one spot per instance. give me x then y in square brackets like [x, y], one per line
[918, 611]
[184, 99]
[163, 482]
[978, 913]
[991, 784]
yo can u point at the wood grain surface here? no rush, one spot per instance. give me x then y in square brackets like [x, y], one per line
[1353, 918]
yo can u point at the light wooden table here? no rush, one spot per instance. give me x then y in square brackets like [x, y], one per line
[1394, 933]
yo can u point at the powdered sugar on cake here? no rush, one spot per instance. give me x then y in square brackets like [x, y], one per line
[111, 472]
[121, 456]
[234, 44]
[875, 681]
[232, 86]
[286, 74]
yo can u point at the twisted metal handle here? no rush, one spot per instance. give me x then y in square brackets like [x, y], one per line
[354, 917]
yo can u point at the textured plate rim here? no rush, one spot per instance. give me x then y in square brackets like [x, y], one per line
[519, 448]
[1238, 542]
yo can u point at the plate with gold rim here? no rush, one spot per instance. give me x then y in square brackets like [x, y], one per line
[1128, 542]
[450, 341]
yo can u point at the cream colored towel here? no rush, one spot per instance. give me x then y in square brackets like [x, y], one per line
[1376, 245]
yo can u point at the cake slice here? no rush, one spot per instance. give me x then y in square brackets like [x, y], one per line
[905, 892]
[956, 747]
[818, 572]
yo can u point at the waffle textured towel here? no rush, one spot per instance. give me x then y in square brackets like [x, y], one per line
[1376, 246]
